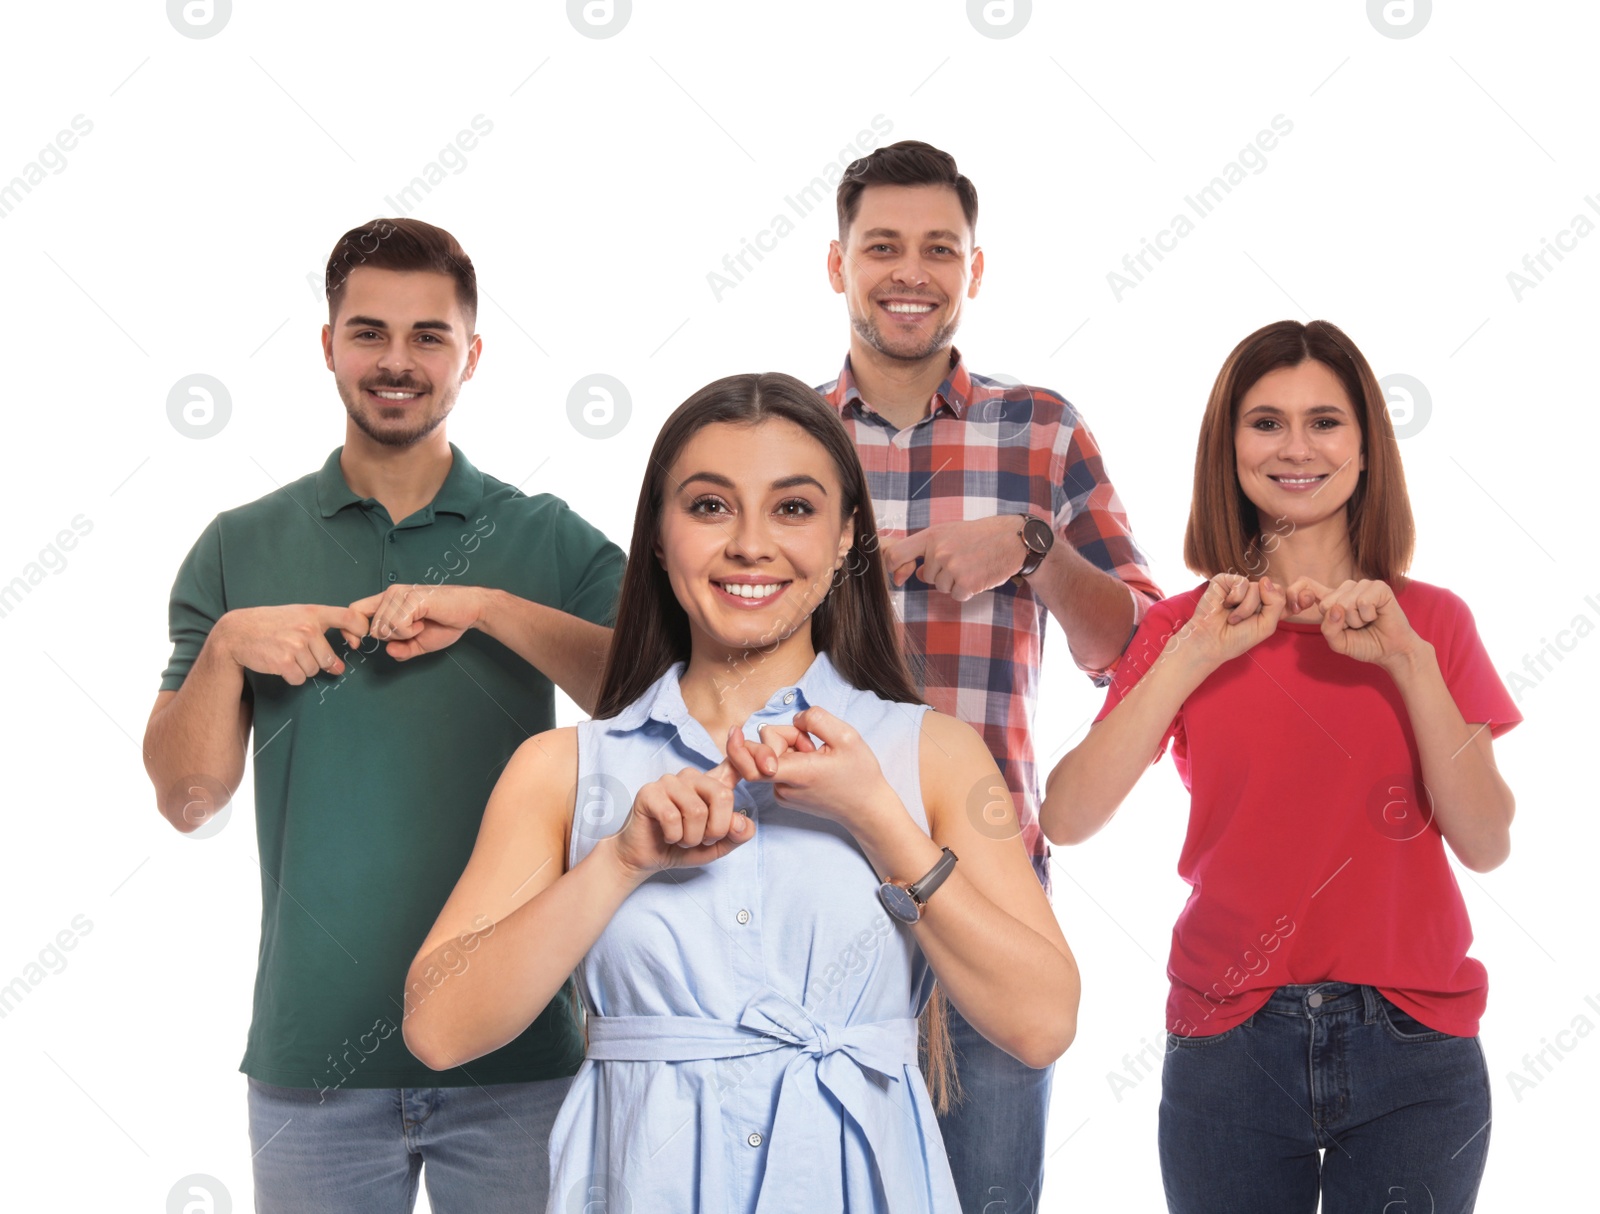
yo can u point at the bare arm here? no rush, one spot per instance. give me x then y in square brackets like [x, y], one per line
[196, 735]
[418, 619]
[988, 931]
[1091, 781]
[1094, 609]
[513, 928]
[516, 925]
[199, 730]
[1471, 802]
[965, 557]
[569, 651]
[1085, 788]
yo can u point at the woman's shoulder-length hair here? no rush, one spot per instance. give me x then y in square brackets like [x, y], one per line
[1224, 534]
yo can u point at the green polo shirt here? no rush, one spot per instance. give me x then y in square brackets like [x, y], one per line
[370, 786]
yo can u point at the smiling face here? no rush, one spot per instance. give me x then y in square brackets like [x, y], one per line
[399, 349]
[1297, 446]
[750, 531]
[904, 267]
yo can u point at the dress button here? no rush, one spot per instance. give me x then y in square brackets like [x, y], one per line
[754, 1140]
[788, 697]
[1315, 1000]
[393, 576]
[743, 917]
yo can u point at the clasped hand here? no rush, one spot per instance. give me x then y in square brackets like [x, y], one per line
[961, 558]
[416, 619]
[1359, 619]
[289, 641]
[818, 764]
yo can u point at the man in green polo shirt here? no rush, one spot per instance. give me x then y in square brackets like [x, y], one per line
[390, 627]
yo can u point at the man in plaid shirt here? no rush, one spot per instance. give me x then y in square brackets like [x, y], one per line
[994, 507]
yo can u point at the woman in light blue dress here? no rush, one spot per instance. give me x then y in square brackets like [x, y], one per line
[757, 858]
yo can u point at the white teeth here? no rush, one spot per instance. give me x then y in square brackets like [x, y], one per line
[745, 591]
[397, 395]
[901, 307]
[1298, 480]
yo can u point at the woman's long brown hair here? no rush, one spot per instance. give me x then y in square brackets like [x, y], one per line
[854, 625]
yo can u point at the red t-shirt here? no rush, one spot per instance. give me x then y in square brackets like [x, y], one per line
[1311, 850]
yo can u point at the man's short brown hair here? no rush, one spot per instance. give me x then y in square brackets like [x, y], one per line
[905, 163]
[404, 245]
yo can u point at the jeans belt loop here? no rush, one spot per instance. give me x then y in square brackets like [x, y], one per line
[1369, 1003]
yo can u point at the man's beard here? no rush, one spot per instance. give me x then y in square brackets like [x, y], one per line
[388, 436]
[867, 328]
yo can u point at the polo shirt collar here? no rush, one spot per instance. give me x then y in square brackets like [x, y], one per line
[954, 391]
[821, 684]
[461, 493]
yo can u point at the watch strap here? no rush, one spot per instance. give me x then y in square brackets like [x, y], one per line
[1035, 557]
[924, 889]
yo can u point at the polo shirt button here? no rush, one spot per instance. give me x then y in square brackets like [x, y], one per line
[393, 576]
[390, 537]
[754, 1139]
[1315, 1000]
[788, 697]
[743, 917]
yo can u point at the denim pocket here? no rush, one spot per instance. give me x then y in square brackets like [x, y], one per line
[1403, 1026]
[1177, 1042]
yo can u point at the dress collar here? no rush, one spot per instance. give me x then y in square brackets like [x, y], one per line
[821, 684]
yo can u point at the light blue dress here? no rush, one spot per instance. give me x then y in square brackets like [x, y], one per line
[752, 1022]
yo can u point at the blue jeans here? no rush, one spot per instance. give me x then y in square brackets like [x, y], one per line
[995, 1134]
[1399, 1112]
[361, 1150]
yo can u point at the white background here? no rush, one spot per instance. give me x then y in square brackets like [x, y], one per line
[619, 172]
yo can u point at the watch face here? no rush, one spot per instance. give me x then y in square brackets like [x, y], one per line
[1036, 534]
[898, 903]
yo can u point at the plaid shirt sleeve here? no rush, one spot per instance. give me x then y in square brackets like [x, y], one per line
[1090, 517]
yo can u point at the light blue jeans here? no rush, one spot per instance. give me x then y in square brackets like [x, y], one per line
[361, 1150]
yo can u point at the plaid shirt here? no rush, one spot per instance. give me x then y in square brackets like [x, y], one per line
[987, 448]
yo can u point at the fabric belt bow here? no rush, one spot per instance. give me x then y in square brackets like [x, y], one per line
[859, 1065]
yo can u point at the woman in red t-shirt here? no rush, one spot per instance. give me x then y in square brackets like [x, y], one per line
[1332, 721]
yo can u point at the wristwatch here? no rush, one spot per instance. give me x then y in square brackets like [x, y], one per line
[905, 902]
[1037, 536]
